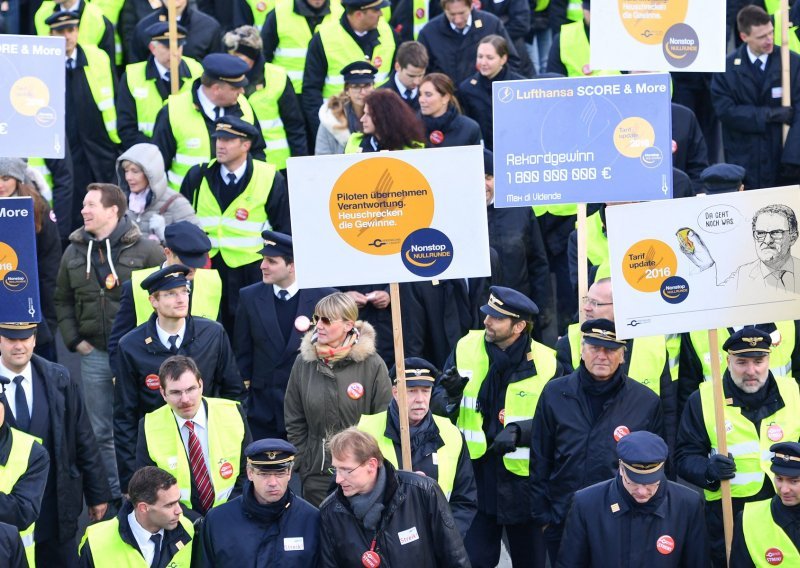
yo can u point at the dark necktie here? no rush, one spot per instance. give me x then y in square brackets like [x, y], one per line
[167, 77]
[173, 344]
[217, 113]
[202, 480]
[283, 295]
[70, 63]
[231, 179]
[23, 415]
[407, 95]
[156, 538]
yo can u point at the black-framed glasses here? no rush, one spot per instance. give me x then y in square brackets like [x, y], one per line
[587, 301]
[325, 320]
[776, 235]
[343, 472]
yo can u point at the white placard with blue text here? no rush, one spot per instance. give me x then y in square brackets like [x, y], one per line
[32, 79]
[582, 139]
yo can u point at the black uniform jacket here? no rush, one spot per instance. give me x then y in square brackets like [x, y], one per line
[475, 97]
[203, 34]
[21, 507]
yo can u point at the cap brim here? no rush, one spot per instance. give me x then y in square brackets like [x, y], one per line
[490, 311]
[750, 354]
[18, 333]
[785, 471]
[603, 343]
[193, 261]
[417, 383]
[645, 478]
[270, 250]
[227, 135]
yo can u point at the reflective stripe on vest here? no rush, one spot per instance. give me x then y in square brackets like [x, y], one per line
[575, 11]
[648, 357]
[110, 551]
[762, 533]
[225, 434]
[575, 50]
[559, 210]
[596, 240]
[265, 104]
[192, 140]
[101, 84]
[749, 448]
[293, 37]
[674, 354]
[447, 455]
[520, 401]
[260, 9]
[92, 28]
[421, 16]
[111, 10]
[205, 303]
[780, 358]
[15, 468]
[145, 94]
[237, 240]
[341, 50]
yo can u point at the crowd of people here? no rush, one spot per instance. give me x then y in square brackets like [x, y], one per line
[225, 416]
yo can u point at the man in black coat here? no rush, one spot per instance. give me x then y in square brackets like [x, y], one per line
[169, 331]
[268, 333]
[747, 99]
[203, 33]
[689, 152]
[452, 39]
[12, 551]
[593, 407]
[411, 62]
[44, 401]
[381, 516]
[638, 518]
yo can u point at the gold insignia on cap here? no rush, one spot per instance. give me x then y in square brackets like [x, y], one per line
[420, 375]
[497, 305]
[370, 5]
[360, 72]
[228, 128]
[17, 325]
[175, 274]
[271, 455]
[786, 457]
[752, 341]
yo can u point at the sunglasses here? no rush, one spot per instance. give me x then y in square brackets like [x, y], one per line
[325, 320]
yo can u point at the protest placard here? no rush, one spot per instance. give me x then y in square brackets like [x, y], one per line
[706, 262]
[389, 217]
[582, 139]
[32, 78]
[19, 275]
[653, 35]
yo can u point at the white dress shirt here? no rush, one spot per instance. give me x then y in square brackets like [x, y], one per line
[200, 429]
[142, 536]
[238, 172]
[207, 105]
[163, 336]
[11, 389]
[293, 289]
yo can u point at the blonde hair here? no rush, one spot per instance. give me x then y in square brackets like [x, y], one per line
[337, 306]
[360, 445]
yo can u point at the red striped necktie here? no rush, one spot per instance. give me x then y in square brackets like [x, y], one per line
[202, 479]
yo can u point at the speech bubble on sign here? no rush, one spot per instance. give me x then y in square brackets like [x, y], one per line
[719, 219]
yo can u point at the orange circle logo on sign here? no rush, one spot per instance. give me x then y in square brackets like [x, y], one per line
[632, 135]
[376, 203]
[773, 556]
[655, 18]
[647, 264]
[226, 470]
[8, 259]
[620, 432]
[665, 544]
[152, 382]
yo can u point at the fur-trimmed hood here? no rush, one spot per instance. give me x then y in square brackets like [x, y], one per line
[360, 351]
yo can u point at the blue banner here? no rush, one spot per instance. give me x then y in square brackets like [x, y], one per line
[32, 79]
[582, 140]
[19, 276]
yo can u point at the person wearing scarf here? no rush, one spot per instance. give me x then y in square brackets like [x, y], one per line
[579, 420]
[268, 524]
[438, 449]
[338, 377]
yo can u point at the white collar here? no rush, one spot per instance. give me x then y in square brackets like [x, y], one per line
[292, 289]
[163, 336]
[763, 57]
[402, 88]
[143, 535]
[206, 104]
[162, 71]
[26, 374]
[199, 419]
[238, 172]
[466, 28]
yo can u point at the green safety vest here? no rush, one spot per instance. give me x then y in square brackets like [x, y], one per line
[101, 85]
[111, 10]
[749, 448]
[647, 359]
[237, 240]
[541, 5]
[193, 143]
[780, 359]
[341, 50]
[225, 435]
[15, 468]
[575, 50]
[421, 15]
[205, 303]
[293, 37]
[772, 6]
[353, 145]
[521, 396]
[265, 104]
[110, 551]
[559, 210]
[575, 11]
[794, 42]
[92, 27]
[145, 94]
[260, 9]
[446, 456]
[762, 533]
[596, 240]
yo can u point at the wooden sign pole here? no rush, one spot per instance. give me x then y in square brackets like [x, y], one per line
[400, 368]
[786, 85]
[583, 272]
[174, 58]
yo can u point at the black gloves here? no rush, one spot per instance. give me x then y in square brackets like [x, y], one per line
[780, 114]
[720, 467]
[506, 440]
[453, 383]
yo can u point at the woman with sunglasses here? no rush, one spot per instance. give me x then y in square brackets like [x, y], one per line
[337, 378]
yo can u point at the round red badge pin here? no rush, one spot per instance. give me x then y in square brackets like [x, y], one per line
[302, 323]
[437, 137]
[775, 433]
[501, 416]
[261, 6]
[773, 556]
[370, 559]
[355, 391]
[587, 70]
[53, 216]
[674, 146]
[420, 13]
[620, 432]
[377, 62]
[152, 382]
[226, 470]
[665, 544]
[110, 281]
[242, 214]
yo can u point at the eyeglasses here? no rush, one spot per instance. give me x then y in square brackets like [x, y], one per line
[172, 294]
[343, 472]
[360, 87]
[587, 301]
[174, 394]
[777, 235]
[325, 320]
[277, 473]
